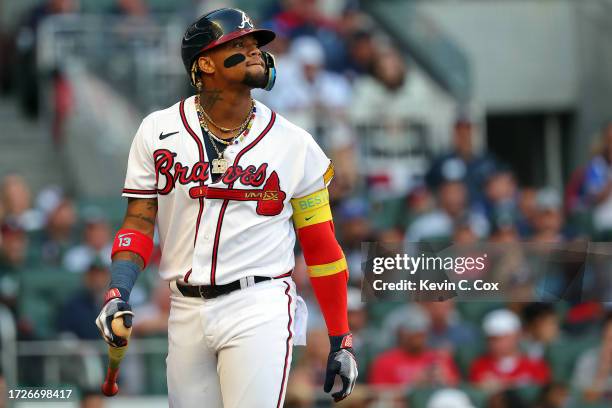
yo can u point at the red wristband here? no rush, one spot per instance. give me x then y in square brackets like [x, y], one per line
[133, 241]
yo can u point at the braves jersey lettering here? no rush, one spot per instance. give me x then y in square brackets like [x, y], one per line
[171, 172]
[164, 164]
[236, 227]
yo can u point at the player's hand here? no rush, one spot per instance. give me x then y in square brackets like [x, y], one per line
[113, 308]
[341, 361]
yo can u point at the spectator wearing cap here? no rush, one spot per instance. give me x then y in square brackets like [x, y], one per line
[593, 372]
[413, 362]
[500, 193]
[463, 161]
[540, 328]
[453, 208]
[504, 366]
[97, 243]
[449, 398]
[78, 314]
[548, 221]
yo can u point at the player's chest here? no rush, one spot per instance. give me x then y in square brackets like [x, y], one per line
[183, 167]
[255, 171]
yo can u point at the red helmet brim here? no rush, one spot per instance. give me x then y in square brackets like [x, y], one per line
[262, 36]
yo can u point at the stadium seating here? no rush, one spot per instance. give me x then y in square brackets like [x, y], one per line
[562, 355]
[42, 292]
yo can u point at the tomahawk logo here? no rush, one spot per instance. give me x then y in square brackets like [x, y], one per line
[246, 21]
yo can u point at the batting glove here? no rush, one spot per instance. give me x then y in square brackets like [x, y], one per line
[114, 307]
[341, 361]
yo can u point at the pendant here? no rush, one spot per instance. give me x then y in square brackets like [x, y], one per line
[219, 166]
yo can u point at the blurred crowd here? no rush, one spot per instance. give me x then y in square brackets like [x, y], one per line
[339, 72]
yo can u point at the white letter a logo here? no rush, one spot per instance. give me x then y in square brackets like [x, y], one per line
[245, 21]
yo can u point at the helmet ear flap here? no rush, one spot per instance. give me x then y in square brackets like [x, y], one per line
[270, 69]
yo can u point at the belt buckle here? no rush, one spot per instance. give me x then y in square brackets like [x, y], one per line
[204, 291]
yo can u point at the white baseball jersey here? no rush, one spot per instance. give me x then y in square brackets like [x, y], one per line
[240, 226]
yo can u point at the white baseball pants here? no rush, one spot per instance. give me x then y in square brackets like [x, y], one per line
[232, 351]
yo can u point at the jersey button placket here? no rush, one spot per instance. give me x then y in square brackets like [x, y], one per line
[203, 245]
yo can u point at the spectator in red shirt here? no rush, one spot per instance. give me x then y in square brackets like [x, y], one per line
[504, 365]
[412, 362]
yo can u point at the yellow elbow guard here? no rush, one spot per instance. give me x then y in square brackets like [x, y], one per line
[311, 209]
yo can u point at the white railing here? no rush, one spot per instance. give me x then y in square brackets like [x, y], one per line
[88, 351]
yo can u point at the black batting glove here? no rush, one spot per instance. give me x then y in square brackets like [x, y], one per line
[341, 361]
[114, 306]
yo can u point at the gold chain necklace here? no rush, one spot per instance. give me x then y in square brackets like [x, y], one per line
[220, 164]
[204, 125]
[224, 129]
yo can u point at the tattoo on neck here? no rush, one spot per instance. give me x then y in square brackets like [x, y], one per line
[210, 97]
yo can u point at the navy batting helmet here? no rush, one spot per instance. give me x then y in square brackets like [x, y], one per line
[219, 27]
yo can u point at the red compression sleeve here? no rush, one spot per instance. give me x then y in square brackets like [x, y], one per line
[328, 273]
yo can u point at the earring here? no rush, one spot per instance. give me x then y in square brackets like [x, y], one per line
[194, 77]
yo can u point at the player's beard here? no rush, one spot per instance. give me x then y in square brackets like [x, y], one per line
[254, 80]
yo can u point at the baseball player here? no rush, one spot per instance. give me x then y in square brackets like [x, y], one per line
[224, 178]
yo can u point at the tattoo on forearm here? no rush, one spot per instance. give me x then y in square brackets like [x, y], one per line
[152, 205]
[210, 97]
[141, 217]
[136, 259]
